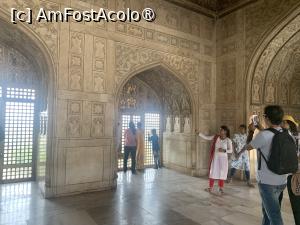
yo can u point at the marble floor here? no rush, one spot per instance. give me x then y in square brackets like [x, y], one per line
[157, 197]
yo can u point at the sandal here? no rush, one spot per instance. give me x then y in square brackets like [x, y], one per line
[208, 190]
[249, 184]
[221, 191]
[229, 181]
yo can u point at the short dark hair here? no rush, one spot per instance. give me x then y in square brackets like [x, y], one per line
[243, 126]
[226, 129]
[274, 113]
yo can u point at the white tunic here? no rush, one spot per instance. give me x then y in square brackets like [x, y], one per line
[219, 164]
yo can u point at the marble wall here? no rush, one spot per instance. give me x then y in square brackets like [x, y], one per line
[239, 35]
[88, 64]
[251, 70]
[91, 62]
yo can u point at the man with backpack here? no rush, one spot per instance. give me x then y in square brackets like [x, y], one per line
[276, 158]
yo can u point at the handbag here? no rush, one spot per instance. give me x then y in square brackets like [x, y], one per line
[295, 184]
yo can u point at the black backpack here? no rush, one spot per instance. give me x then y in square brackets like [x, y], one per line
[283, 154]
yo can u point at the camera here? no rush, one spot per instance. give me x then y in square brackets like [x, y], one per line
[255, 120]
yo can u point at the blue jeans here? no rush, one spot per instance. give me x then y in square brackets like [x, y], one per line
[271, 204]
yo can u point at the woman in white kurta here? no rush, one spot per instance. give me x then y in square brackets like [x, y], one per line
[218, 164]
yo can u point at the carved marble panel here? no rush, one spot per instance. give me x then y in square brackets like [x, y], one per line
[74, 108]
[227, 81]
[99, 48]
[98, 124]
[74, 126]
[99, 82]
[295, 93]
[76, 79]
[270, 93]
[206, 82]
[98, 108]
[77, 43]
[283, 92]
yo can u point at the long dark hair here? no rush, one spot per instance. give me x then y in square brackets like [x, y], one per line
[293, 128]
[132, 127]
[227, 130]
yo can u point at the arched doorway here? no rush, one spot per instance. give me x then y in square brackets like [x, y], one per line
[27, 85]
[274, 72]
[160, 100]
[274, 66]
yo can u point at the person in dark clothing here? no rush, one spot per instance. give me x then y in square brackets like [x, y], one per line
[290, 124]
[155, 148]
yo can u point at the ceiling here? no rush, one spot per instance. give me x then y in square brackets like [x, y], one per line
[212, 7]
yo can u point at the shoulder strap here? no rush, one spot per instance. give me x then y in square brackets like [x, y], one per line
[259, 159]
[273, 130]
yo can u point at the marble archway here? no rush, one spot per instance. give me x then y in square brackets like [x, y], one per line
[171, 97]
[23, 43]
[273, 74]
[273, 67]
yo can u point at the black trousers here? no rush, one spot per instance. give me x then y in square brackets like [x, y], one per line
[129, 150]
[295, 201]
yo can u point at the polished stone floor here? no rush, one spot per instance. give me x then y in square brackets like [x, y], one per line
[161, 197]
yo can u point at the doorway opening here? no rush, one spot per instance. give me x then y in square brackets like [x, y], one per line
[18, 153]
[23, 118]
[150, 121]
[150, 97]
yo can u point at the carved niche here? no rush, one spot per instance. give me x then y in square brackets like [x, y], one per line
[187, 125]
[256, 91]
[270, 93]
[177, 124]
